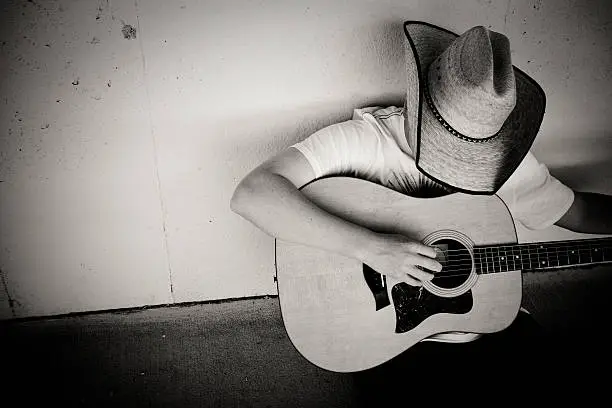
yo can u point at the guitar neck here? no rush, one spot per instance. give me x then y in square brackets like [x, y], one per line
[542, 256]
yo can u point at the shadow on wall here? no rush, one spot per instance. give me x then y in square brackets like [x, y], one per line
[256, 138]
[583, 163]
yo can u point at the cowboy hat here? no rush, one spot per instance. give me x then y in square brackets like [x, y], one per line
[475, 115]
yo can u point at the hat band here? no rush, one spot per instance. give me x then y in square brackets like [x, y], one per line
[447, 126]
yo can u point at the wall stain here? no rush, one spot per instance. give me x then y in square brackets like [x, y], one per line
[129, 32]
[100, 10]
[538, 5]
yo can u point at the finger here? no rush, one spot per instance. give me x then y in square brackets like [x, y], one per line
[412, 281]
[428, 263]
[420, 274]
[426, 250]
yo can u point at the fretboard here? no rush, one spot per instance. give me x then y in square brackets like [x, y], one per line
[537, 256]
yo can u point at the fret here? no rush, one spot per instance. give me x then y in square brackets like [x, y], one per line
[483, 264]
[481, 261]
[563, 255]
[584, 252]
[573, 256]
[516, 258]
[606, 250]
[495, 255]
[553, 255]
[522, 257]
[542, 256]
[530, 257]
[597, 254]
[505, 251]
[509, 260]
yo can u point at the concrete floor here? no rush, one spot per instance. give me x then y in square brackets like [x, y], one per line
[237, 354]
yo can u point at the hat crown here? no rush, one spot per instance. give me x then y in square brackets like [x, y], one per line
[472, 83]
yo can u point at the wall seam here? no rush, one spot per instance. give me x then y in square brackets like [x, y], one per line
[155, 155]
[11, 301]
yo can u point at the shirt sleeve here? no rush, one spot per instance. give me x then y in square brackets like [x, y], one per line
[348, 148]
[534, 197]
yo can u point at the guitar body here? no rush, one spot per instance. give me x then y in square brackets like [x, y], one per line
[345, 317]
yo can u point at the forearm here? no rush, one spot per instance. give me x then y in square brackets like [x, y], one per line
[276, 206]
[591, 213]
[596, 214]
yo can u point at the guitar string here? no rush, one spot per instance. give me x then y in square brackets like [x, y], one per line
[530, 256]
[482, 272]
[485, 267]
[485, 264]
[512, 256]
[551, 243]
[488, 259]
[529, 247]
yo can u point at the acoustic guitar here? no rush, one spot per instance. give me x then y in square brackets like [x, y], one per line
[343, 316]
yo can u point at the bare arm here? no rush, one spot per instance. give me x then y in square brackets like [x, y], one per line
[274, 204]
[590, 213]
[269, 197]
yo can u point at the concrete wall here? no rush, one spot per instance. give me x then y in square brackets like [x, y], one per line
[126, 125]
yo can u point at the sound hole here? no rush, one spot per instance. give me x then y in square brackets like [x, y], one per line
[456, 264]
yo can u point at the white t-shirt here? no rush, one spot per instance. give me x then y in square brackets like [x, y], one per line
[367, 147]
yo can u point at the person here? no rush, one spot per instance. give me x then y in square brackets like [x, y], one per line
[467, 125]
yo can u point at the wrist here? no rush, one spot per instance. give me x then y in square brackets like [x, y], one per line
[365, 245]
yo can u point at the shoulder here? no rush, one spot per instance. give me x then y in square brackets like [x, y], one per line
[355, 145]
[379, 112]
[529, 171]
[360, 129]
[534, 196]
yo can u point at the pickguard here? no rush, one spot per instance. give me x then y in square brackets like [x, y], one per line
[414, 304]
[377, 284]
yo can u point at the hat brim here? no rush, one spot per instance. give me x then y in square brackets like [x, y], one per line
[456, 163]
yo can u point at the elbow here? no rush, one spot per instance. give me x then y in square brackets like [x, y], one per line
[243, 197]
[239, 198]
